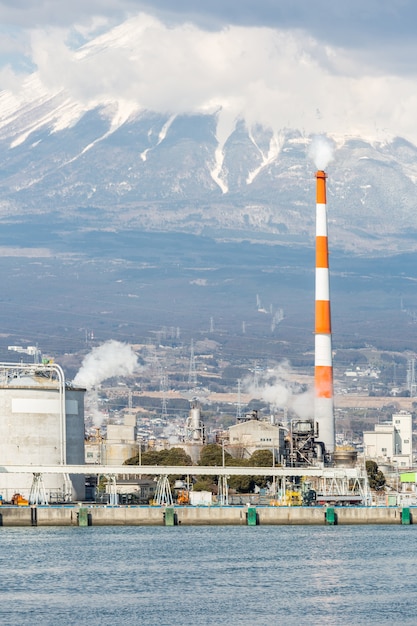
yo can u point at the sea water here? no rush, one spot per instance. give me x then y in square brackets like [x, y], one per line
[207, 575]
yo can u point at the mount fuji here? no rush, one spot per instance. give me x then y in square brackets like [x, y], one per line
[103, 162]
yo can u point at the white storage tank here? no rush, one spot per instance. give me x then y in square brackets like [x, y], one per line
[41, 423]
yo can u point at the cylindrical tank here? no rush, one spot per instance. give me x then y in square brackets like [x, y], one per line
[41, 423]
[345, 457]
[118, 453]
[194, 426]
[195, 417]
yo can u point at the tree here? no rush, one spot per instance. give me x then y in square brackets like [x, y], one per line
[173, 456]
[205, 483]
[212, 454]
[376, 478]
[261, 458]
[176, 456]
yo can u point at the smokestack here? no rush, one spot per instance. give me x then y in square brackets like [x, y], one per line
[323, 370]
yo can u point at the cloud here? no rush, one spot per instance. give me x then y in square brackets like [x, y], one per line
[279, 77]
[381, 31]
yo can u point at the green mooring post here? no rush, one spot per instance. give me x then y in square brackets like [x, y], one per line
[170, 517]
[83, 517]
[331, 518]
[252, 516]
[405, 516]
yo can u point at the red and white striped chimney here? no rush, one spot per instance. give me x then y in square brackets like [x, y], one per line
[323, 370]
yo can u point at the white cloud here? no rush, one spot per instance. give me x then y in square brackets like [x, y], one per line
[275, 77]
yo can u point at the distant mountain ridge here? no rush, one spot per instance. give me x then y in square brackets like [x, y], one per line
[114, 168]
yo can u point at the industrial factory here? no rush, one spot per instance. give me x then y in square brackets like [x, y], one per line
[42, 425]
[297, 443]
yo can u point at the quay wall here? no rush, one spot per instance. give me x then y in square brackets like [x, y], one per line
[99, 515]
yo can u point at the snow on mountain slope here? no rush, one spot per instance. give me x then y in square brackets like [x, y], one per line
[98, 156]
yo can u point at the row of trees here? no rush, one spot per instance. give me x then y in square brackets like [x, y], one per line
[211, 455]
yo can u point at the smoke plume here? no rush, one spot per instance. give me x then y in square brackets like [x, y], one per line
[112, 358]
[91, 408]
[277, 388]
[321, 151]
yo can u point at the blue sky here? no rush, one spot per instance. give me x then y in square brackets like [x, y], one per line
[322, 66]
[361, 26]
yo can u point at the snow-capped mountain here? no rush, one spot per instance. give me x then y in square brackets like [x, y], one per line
[111, 163]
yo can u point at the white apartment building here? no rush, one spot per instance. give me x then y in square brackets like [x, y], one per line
[391, 442]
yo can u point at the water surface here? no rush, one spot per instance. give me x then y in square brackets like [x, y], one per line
[208, 575]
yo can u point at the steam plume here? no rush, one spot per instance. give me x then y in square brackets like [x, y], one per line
[112, 358]
[279, 391]
[321, 151]
[92, 408]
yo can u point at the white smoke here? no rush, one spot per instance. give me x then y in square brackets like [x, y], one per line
[280, 391]
[321, 151]
[92, 408]
[112, 358]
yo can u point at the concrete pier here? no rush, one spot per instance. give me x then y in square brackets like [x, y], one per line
[99, 515]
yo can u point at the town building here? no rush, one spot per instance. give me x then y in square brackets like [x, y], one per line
[391, 442]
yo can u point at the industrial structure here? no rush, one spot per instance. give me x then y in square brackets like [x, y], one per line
[42, 430]
[121, 442]
[195, 434]
[251, 434]
[41, 423]
[323, 369]
[390, 443]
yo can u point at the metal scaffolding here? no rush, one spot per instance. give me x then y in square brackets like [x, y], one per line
[112, 489]
[37, 493]
[163, 495]
[223, 491]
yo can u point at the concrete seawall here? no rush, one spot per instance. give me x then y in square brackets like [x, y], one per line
[192, 516]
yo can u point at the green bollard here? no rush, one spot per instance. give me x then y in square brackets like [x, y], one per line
[170, 517]
[83, 517]
[252, 516]
[331, 518]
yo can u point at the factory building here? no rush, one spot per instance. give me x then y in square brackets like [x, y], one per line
[253, 434]
[391, 442]
[41, 423]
